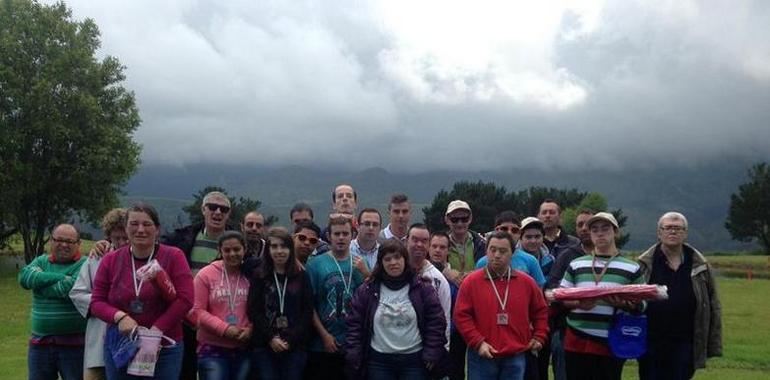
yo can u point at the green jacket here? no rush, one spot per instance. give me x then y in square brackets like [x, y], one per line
[707, 336]
[52, 310]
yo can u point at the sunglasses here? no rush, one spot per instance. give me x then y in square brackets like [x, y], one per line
[460, 219]
[214, 207]
[65, 241]
[303, 238]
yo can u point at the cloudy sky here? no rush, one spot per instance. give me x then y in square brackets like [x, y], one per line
[415, 85]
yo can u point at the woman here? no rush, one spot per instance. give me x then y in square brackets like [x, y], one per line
[221, 292]
[125, 302]
[396, 328]
[281, 309]
[114, 229]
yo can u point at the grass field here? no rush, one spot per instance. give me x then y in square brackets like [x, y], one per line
[746, 324]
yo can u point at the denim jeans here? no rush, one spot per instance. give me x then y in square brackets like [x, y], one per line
[511, 367]
[667, 359]
[285, 365]
[395, 366]
[46, 362]
[227, 364]
[168, 366]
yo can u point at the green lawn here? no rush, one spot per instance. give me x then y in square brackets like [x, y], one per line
[746, 320]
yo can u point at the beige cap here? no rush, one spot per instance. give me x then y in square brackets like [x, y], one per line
[532, 222]
[606, 216]
[457, 205]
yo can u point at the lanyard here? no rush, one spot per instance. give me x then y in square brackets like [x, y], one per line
[502, 302]
[342, 275]
[598, 277]
[281, 291]
[138, 287]
[230, 294]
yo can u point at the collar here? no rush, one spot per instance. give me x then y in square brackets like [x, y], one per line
[496, 276]
[362, 250]
[74, 258]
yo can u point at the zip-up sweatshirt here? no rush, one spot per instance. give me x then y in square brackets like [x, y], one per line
[212, 304]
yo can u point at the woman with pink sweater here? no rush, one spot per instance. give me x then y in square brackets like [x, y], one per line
[224, 330]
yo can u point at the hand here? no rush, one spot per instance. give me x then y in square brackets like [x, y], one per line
[534, 345]
[278, 345]
[360, 264]
[486, 350]
[99, 249]
[587, 304]
[429, 366]
[245, 335]
[549, 296]
[620, 303]
[232, 332]
[330, 344]
[127, 325]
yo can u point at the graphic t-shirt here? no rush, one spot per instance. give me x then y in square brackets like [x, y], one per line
[395, 323]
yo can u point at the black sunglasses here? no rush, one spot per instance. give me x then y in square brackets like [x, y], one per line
[214, 207]
[460, 219]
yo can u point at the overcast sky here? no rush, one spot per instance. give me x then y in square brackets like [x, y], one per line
[416, 85]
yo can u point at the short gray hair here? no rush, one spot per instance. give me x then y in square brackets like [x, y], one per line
[673, 215]
[216, 194]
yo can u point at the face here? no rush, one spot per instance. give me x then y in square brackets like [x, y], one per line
[141, 230]
[549, 214]
[417, 245]
[279, 252]
[301, 216]
[499, 253]
[602, 234]
[118, 237]
[439, 249]
[215, 213]
[344, 200]
[531, 240]
[393, 263]
[369, 226]
[458, 222]
[581, 227]
[65, 243]
[232, 252]
[253, 225]
[305, 242]
[340, 236]
[509, 227]
[672, 232]
[400, 214]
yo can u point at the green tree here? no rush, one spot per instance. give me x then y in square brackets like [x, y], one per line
[66, 121]
[749, 215]
[239, 207]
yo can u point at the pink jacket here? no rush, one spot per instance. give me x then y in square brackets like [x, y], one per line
[211, 305]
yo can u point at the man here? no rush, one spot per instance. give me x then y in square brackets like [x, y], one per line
[438, 250]
[252, 226]
[335, 277]
[501, 313]
[365, 245]
[400, 213]
[521, 259]
[58, 330]
[306, 239]
[466, 246]
[301, 212]
[555, 239]
[417, 240]
[344, 204]
[199, 244]
[587, 353]
[686, 328]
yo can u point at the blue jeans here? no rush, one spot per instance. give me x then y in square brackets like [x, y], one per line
[284, 366]
[46, 362]
[395, 366]
[227, 364]
[168, 366]
[557, 355]
[511, 367]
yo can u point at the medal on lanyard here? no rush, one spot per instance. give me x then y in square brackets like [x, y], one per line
[347, 284]
[502, 316]
[231, 318]
[281, 322]
[137, 306]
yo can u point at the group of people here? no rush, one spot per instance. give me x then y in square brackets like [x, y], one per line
[359, 299]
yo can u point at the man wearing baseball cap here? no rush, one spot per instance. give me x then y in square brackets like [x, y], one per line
[466, 246]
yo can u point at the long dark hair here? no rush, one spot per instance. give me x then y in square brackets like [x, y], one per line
[227, 235]
[268, 266]
[391, 246]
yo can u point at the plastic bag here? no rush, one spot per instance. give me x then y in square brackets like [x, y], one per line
[121, 348]
[153, 271]
[143, 363]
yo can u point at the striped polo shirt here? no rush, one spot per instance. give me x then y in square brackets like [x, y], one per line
[204, 251]
[595, 323]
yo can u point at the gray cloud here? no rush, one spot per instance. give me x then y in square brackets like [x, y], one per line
[412, 87]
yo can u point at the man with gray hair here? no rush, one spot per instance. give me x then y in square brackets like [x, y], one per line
[686, 328]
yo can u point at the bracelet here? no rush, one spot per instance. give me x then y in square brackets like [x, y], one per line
[121, 318]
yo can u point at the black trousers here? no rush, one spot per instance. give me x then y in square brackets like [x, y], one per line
[190, 359]
[323, 365]
[667, 359]
[593, 367]
[457, 348]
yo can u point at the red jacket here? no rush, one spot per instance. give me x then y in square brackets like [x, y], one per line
[477, 307]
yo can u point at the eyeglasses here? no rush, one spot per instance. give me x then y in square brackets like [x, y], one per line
[459, 219]
[369, 224]
[302, 238]
[214, 207]
[673, 229]
[65, 241]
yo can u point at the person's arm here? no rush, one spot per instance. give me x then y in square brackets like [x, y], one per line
[435, 338]
[355, 321]
[538, 311]
[100, 306]
[181, 277]
[80, 294]
[33, 277]
[714, 337]
[200, 313]
[465, 317]
[536, 272]
[445, 301]
[296, 334]
[260, 333]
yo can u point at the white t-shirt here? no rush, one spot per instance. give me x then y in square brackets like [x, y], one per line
[444, 294]
[395, 323]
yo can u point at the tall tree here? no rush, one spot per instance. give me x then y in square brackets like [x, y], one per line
[239, 207]
[749, 215]
[66, 121]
